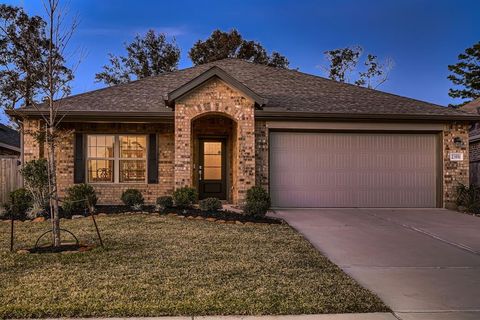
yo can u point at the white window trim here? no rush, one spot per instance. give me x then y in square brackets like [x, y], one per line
[116, 158]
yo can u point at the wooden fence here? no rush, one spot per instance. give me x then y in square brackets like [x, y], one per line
[10, 178]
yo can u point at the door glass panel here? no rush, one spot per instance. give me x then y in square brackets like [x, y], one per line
[213, 174]
[212, 160]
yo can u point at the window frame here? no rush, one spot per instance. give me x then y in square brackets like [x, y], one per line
[116, 157]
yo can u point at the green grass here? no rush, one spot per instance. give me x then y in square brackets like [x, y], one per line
[161, 265]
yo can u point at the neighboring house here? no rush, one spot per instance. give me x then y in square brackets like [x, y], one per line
[9, 142]
[226, 126]
[474, 145]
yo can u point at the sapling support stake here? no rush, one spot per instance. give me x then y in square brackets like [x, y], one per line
[90, 208]
[11, 231]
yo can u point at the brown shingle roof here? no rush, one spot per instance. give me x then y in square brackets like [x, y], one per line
[9, 136]
[286, 91]
[472, 106]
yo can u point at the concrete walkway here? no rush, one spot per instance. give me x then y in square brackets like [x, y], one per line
[423, 263]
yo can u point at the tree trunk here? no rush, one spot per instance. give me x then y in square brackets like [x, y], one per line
[54, 194]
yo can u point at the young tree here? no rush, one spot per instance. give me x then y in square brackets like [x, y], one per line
[22, 43]
[147, 56]
[54, 89]
[222, 45]
[343, 67]
[466, 74]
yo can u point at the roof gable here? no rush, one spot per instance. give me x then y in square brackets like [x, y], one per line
[213, 72]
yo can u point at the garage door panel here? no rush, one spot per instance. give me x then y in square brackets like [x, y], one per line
[352, 170]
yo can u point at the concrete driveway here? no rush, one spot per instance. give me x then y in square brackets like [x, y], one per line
[423, 263]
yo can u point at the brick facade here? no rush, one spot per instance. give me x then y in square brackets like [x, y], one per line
[109, 193]
[214, 109]
[217, 98]
[454, 172]
[261, 154]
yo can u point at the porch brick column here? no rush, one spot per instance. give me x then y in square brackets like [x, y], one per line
[183, 148]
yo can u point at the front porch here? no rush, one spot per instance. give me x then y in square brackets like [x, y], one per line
[215, 141]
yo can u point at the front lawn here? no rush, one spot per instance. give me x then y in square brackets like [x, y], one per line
[162, 265]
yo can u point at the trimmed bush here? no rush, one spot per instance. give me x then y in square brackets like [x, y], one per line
[75, 194]
[20, 202]
[35, 179]
[468, 197]
[164, 202]
[185, 197]
[132, 197]
[257, 202]
[210, 204]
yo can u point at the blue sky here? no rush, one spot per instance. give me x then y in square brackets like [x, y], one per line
[421, 36]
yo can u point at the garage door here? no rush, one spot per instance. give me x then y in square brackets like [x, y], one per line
[353, 170]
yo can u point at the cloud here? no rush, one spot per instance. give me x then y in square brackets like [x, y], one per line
[170, 31]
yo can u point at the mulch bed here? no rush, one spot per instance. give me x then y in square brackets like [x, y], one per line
[64, 248]
[221, 215]
[192, 212]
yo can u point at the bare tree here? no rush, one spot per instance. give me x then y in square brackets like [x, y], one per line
[375, 73]
[55, 88]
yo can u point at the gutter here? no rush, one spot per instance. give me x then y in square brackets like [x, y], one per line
[312, 116]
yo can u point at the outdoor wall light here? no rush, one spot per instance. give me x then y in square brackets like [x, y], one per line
[458, 142]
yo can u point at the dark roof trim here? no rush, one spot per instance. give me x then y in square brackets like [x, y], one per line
[207, 75]
[305, 116]
[99, 116]
[8, 146]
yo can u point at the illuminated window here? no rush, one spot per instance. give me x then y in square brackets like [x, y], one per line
[133, 158]
[100, 158]
[116, 158]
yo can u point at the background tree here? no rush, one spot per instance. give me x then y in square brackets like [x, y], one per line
[222, 45]
[147, 56]
[375, 72]
[342, 62]
[22, 43]
[343, 66]
[466, 75]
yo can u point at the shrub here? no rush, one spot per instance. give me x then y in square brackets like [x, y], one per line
[164, 202]
[185, 197]
[469, 198]
[210, 204]
[257, 202]
[132, 197]
[20, 202]
[35, 178]
[75, 194]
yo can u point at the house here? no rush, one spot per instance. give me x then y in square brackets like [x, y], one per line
[474, 142]
[226, 126]
[9, 142]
